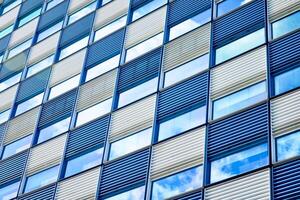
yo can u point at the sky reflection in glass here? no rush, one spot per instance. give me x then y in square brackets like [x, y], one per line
[135, 194]
[31, 103]
[229, 5]
[9, 191]
[286, 25]
[144, 10]
[288, 146]
[17, 146]
[287, 81]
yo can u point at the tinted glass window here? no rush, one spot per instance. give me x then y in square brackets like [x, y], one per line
[29, 17]
[83, 12]
[76, 46]
[18, 49]
[6, 31]
[286, 25]
[31, 103]
[182, 123]
[64, 87]
[238, 163]
[9, 191]
[134, 194]
[229, 5]
[10, 82]
[17, 146]
[144, 10]
[53, 3]
[287, 81]
[54, 28]
[39, 66]
[288, 146]
[11, 6]
[4, 115]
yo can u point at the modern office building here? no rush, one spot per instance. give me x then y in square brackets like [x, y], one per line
[150, 99]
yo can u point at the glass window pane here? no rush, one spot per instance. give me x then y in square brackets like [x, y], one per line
[54, 28]
[10, 191]
[73, 47]
[135, 194]
[94, 112]
[288, 146]
[18, 49]
[54, 130]
[144, 10]
[53, 3]
[11, 6]
[10, 82]
[110, 28]
[240, 46]
[239, 163]
[102, 68]
[130, 144]
[144, 47]
[186, 70]
[64, 87]
[190, 24]
[6, 31]
[138, 92]
[286, 25]
[40, 66]
[4, 115]
[17, 146]
[178, 183]
[84, 162]
[41, 179]
[105, 2]
[29, 17]
[229, 5]
[182, 123]
[83, 12]
[239, 100]
[287, 81]
[31, 103]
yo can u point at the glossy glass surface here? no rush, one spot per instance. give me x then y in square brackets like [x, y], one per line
[144, 47]
[84, 162]
[54, 130]
[41, 179]
[287, 81]
[18, 49]
[76, 46]
[11, 6]
[94, 112]
[130, 144]
[238, 163]
[190, 24]
[186, 70]
[177, 184]
[64, 87]
[29, 17]
[6, 31]
[288, 146]
[39, 66]
[138, 92]
[31, 103]
[10, 82]
[240, 46]
[10, 191]
[110, 28]
[52, 29]
[17, 146]
[103, 67]
[239, 100]
[4, 116]
[83, 12]
[286, 25]
[182, 123]
[105, 2]
[229, 5]
[134, 194]
[53, 3]
[144, 10]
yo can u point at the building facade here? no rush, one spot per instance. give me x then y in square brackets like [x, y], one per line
[150, 99]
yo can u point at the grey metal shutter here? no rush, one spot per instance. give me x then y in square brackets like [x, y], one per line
[279, 8]
[7, 98]
[46, 193]
[9, 18]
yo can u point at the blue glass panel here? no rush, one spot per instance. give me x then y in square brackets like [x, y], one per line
[52, 29]
[134, 194]
[286, 25]
[288, 146]
[229, 5]
[10, 82]
[239, 163]
[239, 100]
[76, 46]
[4, 115]
[142, 11]
[182, 123]
[84, 162]
[287, 81]
[29, 17]
[53, 3]
[18, 49]
[17, 146]
[83, 12]
[11, 6]
[34, 69]
[177, 184]
[64, 87]
[10, 191]
[31, 103]
[6, 31]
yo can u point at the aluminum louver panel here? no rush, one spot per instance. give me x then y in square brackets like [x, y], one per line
[2, 131]
[279, 8]
[251, 187]
[46, 193]
[187, 47]
[7, 98]
[75, 5]
[191, 196]
[132, 118]
[178, 154]
[46, 155]
[285, 113]
[146, 27]
[9, 18]
[239, 73]
[96, 90]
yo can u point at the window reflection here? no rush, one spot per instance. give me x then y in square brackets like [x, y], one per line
[286, 25]
[54, 28]
[229, 5]
[74, 47]
[288, 146]
[4, 115]
[64, 87]
[10, 191]
[6, 31]
[29, 17]
[10, 82]
[39, 66]
[287, 81]
[239, 163]
[53, 3]
[83, 12]
[11, 6]
[31, 103]
[142, 11]
[17, 146]
[18, 49]
[182, 123]
[135, 194]
[177, 184]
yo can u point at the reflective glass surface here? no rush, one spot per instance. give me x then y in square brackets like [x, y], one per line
[144, 10]
[29, 17]
[10, 82]
[288, 146]
[10, 191]
[240, 46]
[53, 3]
[54, 130]
[134, 194]
[287, 81]
[138, 92]
[41, 179]
[76, 46]
[239, 100]
[11, 6]
[6, 31]
[39, 66]
[4, 116]
[64, 87]
[178, 183]
[52, 29]
[286, 25]
[239, 163]
[182, 123]
[83, 12]
[18, 49]
[190, 24]
[186, 70]
[31, 103]
[130, 144]
[84, 162]
[229, 5]
[94, 112]
[17, 146]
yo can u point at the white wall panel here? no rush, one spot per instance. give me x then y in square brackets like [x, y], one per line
[9, 18]
[280, 8]
[7, 97]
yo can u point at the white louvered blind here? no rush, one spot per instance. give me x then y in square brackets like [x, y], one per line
[9, 18]
[7, 97]
[279, 8]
